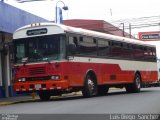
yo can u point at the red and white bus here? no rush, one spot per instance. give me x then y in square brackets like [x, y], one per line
[53, 59]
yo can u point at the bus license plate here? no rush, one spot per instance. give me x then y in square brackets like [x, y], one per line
[37, 86]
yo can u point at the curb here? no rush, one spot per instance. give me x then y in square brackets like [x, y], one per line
[37, 98]
[16, 102]
[5, 103]
[74, 94]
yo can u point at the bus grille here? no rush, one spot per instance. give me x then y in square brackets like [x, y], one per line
[38, 78]
[37, 71]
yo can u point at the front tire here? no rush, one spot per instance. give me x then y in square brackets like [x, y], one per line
[90, 87]
[44, 96]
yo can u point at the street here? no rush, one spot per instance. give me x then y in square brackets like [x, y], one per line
[117, 101]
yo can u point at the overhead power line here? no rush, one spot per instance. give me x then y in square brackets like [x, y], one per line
[136, 19]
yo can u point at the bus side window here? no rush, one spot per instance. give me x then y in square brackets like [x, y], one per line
[87, 46]
[103, 47]
[116, 49]
[80, 39]
[148, 54]
[74, 40]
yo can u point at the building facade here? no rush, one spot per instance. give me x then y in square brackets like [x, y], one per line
[97, 25]
[11, 18]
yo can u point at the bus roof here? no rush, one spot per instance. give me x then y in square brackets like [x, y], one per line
[53, 28]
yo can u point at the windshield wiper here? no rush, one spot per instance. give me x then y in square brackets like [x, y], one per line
[46, 59]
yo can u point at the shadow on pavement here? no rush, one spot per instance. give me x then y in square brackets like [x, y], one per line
[79, 96]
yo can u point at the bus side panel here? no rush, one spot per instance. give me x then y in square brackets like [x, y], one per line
[72, 71]
[105, 73]
[149, 76]
[75, 73]
[112, 74]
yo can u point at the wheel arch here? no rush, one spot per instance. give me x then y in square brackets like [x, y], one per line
[90, 84]
[92, 74]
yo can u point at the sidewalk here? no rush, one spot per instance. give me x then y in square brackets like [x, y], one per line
[22, 99]
[35, 97]
[14, 100]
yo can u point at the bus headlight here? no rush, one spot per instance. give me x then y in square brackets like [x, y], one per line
[55, 77]
[21, 79]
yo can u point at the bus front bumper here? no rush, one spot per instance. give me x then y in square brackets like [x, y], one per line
[39, 86]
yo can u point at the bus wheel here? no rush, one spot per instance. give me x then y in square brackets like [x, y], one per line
[44, 96]
[103, 90]
[136, 86]
[90, 87]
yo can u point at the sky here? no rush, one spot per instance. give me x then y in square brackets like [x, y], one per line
[93, 9]
[107, 10]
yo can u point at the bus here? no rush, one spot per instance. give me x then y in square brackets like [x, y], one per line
[52, 59]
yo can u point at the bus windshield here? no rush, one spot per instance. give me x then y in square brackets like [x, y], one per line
[40, 48]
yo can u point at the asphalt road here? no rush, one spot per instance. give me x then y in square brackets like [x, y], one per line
[117, 101]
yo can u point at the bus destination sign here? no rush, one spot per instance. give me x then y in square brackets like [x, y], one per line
[151, 36]
[37, 31]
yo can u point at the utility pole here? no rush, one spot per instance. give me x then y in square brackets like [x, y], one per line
[59, 12]
[130, 30]
[123, 29]
[110, 11]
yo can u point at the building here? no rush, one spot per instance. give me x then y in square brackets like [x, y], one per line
[11, 18]
[97, 25]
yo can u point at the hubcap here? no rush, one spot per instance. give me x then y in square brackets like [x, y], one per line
[91, 85]
[138, 82]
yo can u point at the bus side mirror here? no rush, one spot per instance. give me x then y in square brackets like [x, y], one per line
[72, 49]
